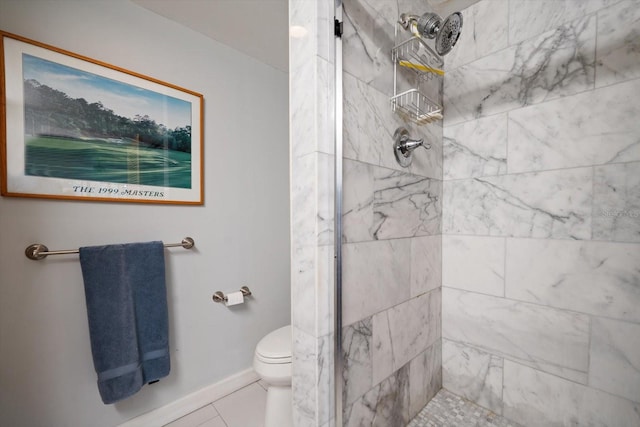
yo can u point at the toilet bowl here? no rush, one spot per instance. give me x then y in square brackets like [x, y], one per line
[272, 362]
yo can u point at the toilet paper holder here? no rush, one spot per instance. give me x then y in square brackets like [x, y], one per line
[219, 296]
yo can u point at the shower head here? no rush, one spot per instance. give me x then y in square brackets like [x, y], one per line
[449, 33]
[431, 26]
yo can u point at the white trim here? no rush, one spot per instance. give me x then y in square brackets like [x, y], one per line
[193, 401]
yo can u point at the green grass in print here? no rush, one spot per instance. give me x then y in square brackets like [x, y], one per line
[116, 161]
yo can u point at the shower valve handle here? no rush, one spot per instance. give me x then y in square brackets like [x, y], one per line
[403, 146]
[407, 144]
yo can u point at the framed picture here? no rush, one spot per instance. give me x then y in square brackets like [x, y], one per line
[76, 128]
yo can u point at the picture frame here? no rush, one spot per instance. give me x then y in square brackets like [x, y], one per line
[80, 129]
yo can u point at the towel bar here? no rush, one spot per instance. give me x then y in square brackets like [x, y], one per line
[38, 251]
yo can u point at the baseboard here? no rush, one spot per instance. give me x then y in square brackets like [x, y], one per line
[193, 401]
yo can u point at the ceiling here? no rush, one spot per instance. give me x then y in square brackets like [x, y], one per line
[258, 28]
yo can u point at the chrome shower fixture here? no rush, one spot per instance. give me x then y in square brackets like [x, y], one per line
[403, 146]
[431, 26]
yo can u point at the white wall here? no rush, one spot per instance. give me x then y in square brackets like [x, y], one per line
[241, 233]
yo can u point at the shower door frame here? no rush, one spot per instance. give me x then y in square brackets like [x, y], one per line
[338, 362]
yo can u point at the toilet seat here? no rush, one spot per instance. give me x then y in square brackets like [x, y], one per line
[275, 347]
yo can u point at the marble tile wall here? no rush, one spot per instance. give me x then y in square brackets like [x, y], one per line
[312, 89]
[392, 250]
[541, 212]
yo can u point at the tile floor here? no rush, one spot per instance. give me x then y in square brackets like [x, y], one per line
[243, 408]
[449, 410]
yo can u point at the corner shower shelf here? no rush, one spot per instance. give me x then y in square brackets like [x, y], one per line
[414, 54]
[414, 106]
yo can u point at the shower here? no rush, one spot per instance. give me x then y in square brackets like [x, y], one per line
[388, 340]
[430, 25]
[382, 75]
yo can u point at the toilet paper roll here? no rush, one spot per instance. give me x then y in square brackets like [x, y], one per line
[234, 298]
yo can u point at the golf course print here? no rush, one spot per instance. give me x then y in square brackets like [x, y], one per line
[82, 126]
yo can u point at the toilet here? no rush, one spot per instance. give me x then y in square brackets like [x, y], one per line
[272, 362]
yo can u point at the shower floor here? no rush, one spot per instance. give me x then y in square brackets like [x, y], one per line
[449, 410]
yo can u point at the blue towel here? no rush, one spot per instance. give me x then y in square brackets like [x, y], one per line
[128, 317]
